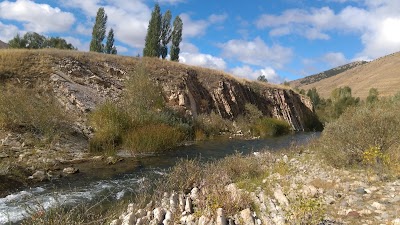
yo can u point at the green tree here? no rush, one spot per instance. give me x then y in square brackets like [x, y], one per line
[341, 100]
[176, 38]
[110, 48]
[99, 31]
[166, 32]
[34, 40]
[372, 95]
[17, 42]
[314, 96]
[262, 78]
[57, 42]
[152, 43]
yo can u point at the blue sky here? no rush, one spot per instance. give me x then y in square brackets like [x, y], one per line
[283, 40]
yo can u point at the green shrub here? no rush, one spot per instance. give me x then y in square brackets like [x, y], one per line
[152, 138]
[212, 124]
[267, 127]
[109, 123]
[345, 141]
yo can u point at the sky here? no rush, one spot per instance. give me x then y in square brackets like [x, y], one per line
[280, 39]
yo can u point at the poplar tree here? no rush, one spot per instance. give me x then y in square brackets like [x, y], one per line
[166, 31]
[176, 39]
[110, 48]
[99, 31]
[152, 43]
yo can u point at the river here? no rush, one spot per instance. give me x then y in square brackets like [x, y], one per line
[119, 182]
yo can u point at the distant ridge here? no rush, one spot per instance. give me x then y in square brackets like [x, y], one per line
[382, 73]
[3, 45]
[325, 74]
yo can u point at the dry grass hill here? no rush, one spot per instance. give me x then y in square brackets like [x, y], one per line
[382, 73]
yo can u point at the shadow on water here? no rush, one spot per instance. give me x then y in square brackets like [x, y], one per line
[124, 178]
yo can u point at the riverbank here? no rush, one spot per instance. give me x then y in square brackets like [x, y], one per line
[296, 188]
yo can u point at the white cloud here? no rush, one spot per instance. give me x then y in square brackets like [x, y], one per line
[188, 47]
[257, 52]
[82, 46]
[249, 73]
[309, 24]
[128, 18]
[376, 22]
[8, 32]
[217, 18]
[171, 2]
[334, 59]
[192, 28]
[383, 40]
[122, 49]
[204, 60]
[37, 17]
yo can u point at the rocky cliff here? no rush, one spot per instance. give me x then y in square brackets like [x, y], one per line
[83, 80]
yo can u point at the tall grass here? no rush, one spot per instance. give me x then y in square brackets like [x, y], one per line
[268, 127]
[31, 110]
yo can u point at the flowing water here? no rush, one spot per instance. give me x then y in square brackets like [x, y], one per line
[116, 183]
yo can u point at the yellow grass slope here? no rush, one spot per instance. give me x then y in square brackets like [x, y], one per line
[382, 73]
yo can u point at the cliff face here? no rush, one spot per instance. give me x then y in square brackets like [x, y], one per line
[229, 97]
[80, 87]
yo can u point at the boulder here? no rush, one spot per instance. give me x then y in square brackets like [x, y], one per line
[70, 170]
[246, 217]
[221, 220]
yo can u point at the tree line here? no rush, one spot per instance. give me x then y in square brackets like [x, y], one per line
[160, 34]
[341, 98]
[33, 40]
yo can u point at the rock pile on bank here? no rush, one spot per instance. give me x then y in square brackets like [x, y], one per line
[308, 193]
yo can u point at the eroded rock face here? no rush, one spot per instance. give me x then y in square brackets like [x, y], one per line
[80, 87]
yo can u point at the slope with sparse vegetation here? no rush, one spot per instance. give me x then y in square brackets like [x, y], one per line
[382, 74]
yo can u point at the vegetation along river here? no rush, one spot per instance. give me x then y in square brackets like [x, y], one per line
[123, 179]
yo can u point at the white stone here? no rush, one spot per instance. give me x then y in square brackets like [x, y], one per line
[285, 159]
[129, 219]
[141, 213]
[396, 221]
[173, 201]
[165, 200]
[221, 220]
[378, 206]
[281, 198]
[39, 175]
[181, 199]
[188, 205]
[130, 208]
[158, 214]
[246, 217]
[203, 220]
[116, 222]
[194, 193]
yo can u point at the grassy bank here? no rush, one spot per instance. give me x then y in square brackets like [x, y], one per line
[142, 123]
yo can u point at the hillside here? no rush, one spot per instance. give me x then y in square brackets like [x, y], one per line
[382, 73]
[3, 45]
[325, 74]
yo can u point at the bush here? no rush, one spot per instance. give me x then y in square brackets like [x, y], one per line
[153, 138]
[267, 127]
[374, 126]
[109, 123]
[211, 125]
